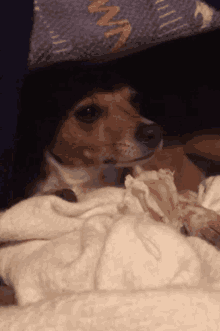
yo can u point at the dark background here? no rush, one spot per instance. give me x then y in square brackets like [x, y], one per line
[179, 81]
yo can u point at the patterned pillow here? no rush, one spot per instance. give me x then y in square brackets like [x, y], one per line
[104, 29]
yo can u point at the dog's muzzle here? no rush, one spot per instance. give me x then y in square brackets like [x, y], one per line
[148, 139]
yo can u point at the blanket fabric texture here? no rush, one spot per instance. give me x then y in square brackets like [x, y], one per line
[120, 258]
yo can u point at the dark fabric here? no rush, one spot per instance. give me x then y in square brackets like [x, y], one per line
[16, 24]
[214, 3]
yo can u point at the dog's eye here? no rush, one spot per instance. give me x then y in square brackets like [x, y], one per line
[89, 114]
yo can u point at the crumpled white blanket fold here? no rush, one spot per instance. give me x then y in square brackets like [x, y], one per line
[116, 259]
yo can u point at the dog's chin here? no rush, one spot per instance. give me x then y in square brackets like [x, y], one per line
[138, 161]
[141, 160]
[132, 167]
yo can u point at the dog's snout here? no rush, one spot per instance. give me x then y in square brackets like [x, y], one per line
[149, 135]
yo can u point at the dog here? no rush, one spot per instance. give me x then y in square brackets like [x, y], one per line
[102, 139]
[86, 131]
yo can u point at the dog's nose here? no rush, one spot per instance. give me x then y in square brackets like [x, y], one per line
[150, 135]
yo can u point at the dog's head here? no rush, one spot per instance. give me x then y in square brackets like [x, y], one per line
[102, 137]
[86, 122]
[105, 128]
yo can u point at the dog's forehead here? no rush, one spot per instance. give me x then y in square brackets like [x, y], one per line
[121, 94]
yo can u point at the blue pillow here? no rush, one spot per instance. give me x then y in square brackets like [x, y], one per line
[100, 30]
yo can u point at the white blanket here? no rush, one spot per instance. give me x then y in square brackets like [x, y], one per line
[116, 260]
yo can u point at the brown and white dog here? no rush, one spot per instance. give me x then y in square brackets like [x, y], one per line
[101, 135]
[101, 140]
